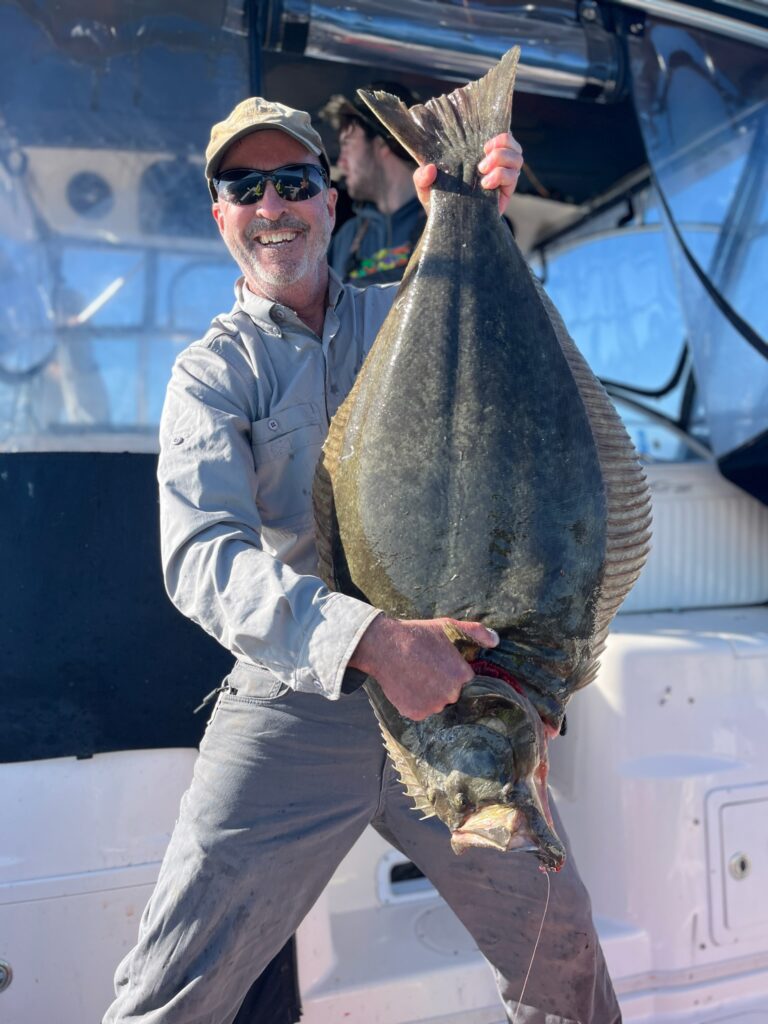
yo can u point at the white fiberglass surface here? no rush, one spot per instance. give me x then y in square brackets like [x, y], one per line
[70, 816]
[675, 714]
[82, 845]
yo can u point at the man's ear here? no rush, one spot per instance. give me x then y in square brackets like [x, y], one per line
[218, 216]
[333, 197]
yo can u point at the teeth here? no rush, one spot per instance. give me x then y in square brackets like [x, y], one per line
[277, 237]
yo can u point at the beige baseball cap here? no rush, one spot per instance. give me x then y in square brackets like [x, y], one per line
[253, 115]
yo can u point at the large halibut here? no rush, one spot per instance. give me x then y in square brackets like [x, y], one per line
[479, 471]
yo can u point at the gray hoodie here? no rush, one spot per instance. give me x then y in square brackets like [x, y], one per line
[373, 247]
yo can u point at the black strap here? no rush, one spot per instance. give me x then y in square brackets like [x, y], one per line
[745, 330]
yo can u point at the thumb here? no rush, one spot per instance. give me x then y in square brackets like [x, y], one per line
[470, 631]
[483, 634]
[423, 178]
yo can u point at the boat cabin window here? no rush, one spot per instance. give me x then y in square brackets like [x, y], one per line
[110, 262]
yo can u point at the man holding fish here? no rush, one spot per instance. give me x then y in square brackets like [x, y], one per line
[292, 767]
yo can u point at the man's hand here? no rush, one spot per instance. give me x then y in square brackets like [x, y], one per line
[415, 664]
[500, 168]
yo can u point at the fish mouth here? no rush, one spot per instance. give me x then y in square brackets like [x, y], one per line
[503, 828]
[496, 827]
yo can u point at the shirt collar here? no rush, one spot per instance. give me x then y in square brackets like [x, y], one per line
[336, 288]
[268, 314]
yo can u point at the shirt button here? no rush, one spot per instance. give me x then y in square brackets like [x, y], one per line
[178, 439]
[278, 314]
[273, 424]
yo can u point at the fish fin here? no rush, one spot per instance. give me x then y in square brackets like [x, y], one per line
[428, 811]
[419, 802]
[332, 567]
[450, 130]
[402, 760]
[628, 496]
[326, 525]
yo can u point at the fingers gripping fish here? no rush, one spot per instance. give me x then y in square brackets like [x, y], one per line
[478, 470]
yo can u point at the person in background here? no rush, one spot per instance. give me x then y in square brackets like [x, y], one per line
[375, 244]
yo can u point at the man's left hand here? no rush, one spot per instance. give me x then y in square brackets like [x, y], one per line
[500, 169]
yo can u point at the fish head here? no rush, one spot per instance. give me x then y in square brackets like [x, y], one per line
[504, 828]
[495, 794]
[467, 765]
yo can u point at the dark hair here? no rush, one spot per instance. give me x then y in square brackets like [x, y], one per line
[341, 111]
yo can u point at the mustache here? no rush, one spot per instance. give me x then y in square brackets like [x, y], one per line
[285, 222]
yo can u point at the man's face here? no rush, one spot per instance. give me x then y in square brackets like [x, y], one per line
[358, 162]
[277, 244]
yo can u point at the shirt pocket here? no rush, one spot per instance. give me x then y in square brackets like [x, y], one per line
[286, 446]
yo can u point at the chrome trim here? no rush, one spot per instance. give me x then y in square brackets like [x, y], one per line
[695, 17]
[561, 55]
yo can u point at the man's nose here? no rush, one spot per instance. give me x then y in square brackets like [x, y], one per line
[270, 205]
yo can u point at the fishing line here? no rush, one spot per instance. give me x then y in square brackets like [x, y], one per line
[535, 947]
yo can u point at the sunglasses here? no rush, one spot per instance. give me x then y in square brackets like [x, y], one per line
[293, 182]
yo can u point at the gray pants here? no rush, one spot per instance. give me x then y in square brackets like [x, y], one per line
[284, 785]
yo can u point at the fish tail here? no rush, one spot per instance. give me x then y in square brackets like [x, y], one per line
[450, 130]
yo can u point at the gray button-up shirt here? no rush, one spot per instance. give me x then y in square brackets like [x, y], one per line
[245, 416]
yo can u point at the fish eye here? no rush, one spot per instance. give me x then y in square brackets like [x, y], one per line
[460, 801]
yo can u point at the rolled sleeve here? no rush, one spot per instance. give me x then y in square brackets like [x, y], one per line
[331, 642]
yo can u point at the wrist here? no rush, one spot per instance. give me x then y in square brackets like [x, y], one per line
[365, 655]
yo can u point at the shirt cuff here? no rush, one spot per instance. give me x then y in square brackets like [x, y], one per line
[331, 641]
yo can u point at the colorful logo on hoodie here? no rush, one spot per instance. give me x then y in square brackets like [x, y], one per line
[383, 260]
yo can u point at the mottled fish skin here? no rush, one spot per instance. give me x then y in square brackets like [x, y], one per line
[479, 471]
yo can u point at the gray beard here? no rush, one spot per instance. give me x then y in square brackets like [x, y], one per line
[288, 271]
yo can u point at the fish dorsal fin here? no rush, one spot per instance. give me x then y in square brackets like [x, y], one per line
[450, 131]
[628, 497]
[403, 762]
[331, 560]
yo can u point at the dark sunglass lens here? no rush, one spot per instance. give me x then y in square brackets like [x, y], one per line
[296, 183]
[251, 188]
[293, 183]
[242, 190]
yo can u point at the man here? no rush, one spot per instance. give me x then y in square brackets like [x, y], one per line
[292, 768]
[374, 245]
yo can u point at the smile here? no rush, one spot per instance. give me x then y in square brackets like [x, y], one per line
[277, 237]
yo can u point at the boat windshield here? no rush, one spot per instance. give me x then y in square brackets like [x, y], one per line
[110, 261]
[611, 278]
[663, 286]
[702, 104]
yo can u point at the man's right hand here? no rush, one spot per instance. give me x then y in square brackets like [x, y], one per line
[417, 667]
[500, 169]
